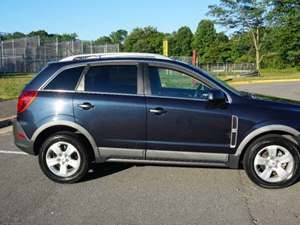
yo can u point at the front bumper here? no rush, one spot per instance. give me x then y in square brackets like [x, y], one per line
[21, 139]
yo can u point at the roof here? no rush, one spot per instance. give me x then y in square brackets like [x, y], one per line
[113, 55]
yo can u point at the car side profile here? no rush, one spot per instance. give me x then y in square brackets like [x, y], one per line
[147, 108]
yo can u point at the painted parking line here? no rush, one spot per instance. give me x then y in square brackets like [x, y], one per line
[6, 130]
[12, 152]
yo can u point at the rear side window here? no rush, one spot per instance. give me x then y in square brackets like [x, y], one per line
[66, 80]
[112, 79]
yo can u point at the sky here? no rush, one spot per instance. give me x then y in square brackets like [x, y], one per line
[93, 18]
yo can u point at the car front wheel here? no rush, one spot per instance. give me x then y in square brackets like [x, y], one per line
[272, 161]
[63, 158]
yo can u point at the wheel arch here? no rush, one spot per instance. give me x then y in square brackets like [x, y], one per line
[54, 126]
[287, 131]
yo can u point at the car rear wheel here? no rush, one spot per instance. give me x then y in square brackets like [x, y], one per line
[272, 161]
[63, 158]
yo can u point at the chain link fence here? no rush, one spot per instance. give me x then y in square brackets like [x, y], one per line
[222, 68]
[30, 54]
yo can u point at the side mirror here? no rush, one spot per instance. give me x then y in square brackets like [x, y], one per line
[216, 95]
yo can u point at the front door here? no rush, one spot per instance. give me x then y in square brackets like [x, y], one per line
[180, 117]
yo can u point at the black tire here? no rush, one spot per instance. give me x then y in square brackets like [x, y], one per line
[258, 145]
[74, 140]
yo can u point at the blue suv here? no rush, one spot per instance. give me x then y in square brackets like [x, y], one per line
[146, 108]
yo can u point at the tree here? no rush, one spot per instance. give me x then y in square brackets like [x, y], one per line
[103, 40]
[118, 37]
[67, 37]
[245, 16]
[284, 32]
[204, 41]
[223, 47]
[41, 33]
[181, 42]
[146, 39]
[241, 48]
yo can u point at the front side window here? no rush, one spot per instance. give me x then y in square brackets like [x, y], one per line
[171, 83]
[112, 79]
[66, 80]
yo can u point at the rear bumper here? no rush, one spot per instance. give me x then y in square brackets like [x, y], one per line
[21, 139]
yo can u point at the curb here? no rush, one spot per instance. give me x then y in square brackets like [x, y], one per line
[263, 81]
[5, 122]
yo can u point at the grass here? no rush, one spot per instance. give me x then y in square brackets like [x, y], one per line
[176, 80]
[12, 84]
[266, 74]
[173, 79]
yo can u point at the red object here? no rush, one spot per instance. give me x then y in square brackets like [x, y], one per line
[194, 58]
[21, 135]
[25, 99]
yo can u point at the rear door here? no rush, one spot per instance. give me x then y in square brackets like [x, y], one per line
[112, 108]
[180, 117]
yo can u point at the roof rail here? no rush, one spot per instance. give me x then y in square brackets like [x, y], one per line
[113, 55]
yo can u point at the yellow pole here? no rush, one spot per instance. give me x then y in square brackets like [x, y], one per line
[165, 47]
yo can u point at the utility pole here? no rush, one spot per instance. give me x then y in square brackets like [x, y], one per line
[91, 47]
[2, 64]
[56, 48]
[25, 54]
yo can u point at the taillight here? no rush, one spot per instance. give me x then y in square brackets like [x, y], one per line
[25, 99]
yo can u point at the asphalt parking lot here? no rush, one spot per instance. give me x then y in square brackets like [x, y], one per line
[136, 194]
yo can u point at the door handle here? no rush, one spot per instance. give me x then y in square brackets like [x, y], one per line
[86, 106]
[158, 111]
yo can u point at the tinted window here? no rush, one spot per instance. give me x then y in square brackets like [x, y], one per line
[171, 83]
[112, 79]
[66, 80]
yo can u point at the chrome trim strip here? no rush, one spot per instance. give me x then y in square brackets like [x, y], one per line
[107, 153]
[123, 94]
[180, 98]
[234, 131]
[185, 156]
[95, 93]
[165, 162]
[261, 130]
[160, 155]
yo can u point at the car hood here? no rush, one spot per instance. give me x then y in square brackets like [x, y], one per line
[274, 102]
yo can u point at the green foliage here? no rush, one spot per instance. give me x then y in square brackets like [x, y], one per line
[211, 46]
[44, 36]
[241, 48]
[244, 16]
[103, 40]
[181, 42]
[116, 37]
[285, 32]
[146, 39]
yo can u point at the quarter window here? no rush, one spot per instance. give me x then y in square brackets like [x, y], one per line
[66, 80]
[171, 83]
[112, 79]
